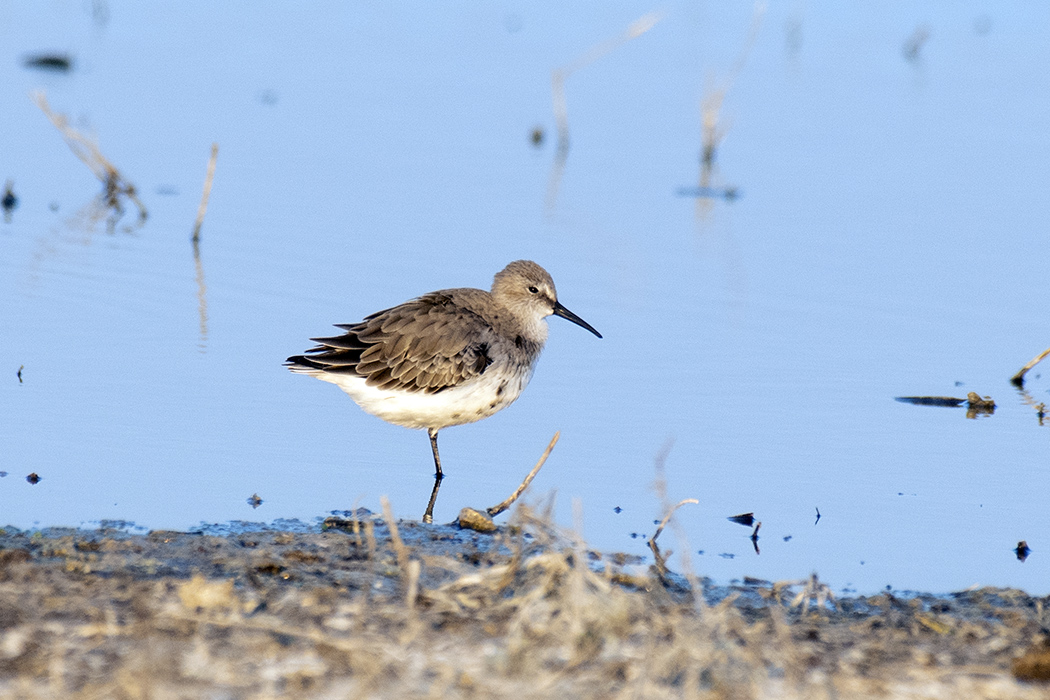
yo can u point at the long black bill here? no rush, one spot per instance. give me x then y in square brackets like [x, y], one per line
[560, 310]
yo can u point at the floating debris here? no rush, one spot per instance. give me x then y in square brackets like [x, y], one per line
[20, 368]
[728, 194]
[9, 201]
[754, 537]
[537, 136]
[33, 478]
[254, 501]
[3, 474]
[59, 62]
[930, 400]
[913, 44]
[745, 519]
[787, 538]
[617, 510]
[818, 516]
[1022, 550]
[975, 403]
[973, 400]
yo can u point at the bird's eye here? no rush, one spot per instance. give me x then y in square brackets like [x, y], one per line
[533, 290]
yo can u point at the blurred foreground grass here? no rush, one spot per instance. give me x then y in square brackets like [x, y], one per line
[443, 613]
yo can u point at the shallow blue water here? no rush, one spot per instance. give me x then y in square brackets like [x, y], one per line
[889, 239]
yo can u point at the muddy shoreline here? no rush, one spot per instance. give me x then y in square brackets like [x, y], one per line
[362, 609]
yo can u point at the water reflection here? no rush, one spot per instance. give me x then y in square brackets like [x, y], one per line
[560, 104]
[713, 130]
[202, 210]
[202, 296]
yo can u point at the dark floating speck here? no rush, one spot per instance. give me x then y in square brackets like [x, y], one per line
[617, 510]
[727, 555]
[20, 368]
[536, 136]
[9, 201]
[3, 474]
[60, 62]
[787, 538]
[818, 516]
[33, 478]
[634, 535]
[1022, 550]
[254, 501]
[745, 519]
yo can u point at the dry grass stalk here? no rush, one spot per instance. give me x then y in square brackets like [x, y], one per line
[203, 208]
[500, 507]
[87, 150]
[395, 537]
[661, 564]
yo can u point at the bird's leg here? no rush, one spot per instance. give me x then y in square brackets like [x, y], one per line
[428, 517]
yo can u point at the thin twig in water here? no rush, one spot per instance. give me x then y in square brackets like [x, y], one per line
[1018, 379]
[87, 150]
[499, 508]
[203, 208]
[667, 517]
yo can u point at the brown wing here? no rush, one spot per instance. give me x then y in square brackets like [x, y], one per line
[426, 344]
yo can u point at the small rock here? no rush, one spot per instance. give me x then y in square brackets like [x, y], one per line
[470, 519]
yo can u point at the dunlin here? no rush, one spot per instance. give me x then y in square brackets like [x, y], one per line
[446, 358]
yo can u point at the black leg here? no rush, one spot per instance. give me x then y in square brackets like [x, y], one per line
[428, 517]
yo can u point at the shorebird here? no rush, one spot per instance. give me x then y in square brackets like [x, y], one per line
[446, 358]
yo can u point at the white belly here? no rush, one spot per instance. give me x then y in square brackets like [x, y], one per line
[469, 402]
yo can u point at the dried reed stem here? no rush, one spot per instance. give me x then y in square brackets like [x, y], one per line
[395, 537]
[497, 509]
[203, 208]
[667, 517]
[1018, 378]
[661, 565]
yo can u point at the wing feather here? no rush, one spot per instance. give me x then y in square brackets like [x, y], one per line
[426, 344]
